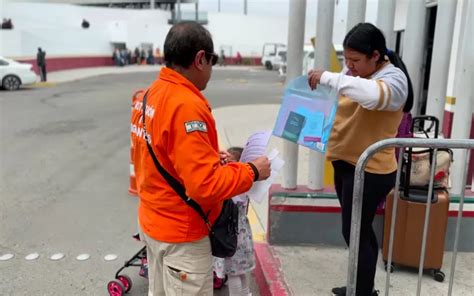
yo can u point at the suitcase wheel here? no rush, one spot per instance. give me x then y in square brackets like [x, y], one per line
[438, 275]
[392, 267]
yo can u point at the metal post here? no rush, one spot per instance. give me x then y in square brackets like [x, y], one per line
[414, 45]
[427, 221]
[245, 7]
[456, 236]
[322, 53]
[296, 26]
[355, 13]
[443, 39]
[396, 194]
[218, 5]
[179, 10]
[197, 11]
[152, 4]
[463, 91]
[385, 21]
[356, 218]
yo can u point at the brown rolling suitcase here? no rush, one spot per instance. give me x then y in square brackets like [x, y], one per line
[408, 233]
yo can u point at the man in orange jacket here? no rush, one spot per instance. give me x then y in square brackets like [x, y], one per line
[183, 136]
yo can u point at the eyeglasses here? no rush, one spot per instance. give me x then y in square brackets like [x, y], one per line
[211, 57]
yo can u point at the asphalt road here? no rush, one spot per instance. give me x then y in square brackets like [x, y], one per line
[64, 165]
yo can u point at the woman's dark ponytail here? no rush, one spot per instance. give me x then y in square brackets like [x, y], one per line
[397, 62]
[366, 38]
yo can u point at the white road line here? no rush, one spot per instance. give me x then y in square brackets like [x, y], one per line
[6, 257]
[32, 256]
[110, 257]
[57, 256]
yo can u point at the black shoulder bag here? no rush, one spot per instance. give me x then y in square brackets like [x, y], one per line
[223, 234]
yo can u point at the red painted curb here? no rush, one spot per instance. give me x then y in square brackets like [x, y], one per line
[324, 209]
[268, 274]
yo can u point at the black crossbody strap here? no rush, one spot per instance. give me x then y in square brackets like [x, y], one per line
[178, 187]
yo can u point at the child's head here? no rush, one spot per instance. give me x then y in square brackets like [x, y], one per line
[235, 153]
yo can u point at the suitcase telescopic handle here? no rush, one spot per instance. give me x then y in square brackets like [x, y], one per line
[426, 118]
[418, 120]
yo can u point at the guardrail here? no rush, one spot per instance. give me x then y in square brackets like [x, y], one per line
[358, 198]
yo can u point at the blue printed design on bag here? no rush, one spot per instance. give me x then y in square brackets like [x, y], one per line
[306, 116]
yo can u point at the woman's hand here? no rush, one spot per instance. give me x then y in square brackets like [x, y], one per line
[314, 78]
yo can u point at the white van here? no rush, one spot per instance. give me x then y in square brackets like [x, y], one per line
[307, 50]
[273, 55]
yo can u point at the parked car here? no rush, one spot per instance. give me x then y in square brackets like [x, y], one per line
[13, 74]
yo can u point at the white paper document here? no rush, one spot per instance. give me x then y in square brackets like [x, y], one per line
[256, 146]
[259, 190]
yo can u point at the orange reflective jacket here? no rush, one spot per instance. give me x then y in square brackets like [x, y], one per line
[184, 139]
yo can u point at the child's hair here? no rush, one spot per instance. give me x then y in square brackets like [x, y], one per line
[367, 38]
[235, 152]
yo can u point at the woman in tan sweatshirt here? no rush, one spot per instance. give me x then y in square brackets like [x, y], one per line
[374, 91]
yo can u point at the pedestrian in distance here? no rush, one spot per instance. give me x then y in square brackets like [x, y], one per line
[41, 63]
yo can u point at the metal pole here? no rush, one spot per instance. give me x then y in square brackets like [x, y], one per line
[456, 236]
[245, 7]
[296, 26]
[355, 13]
[414, 46]
[396, 194]
[385, 21]
[218, 5]
[359, 189]
[463, 91]
[354, 242]
[152, 4]
[179, 10]
[197, 11]
[443, 38]
[322, 53]
[427, 221]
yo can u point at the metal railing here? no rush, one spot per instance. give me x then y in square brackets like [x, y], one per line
[358, 198]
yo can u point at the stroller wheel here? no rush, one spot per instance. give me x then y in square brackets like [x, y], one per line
[126, 281]
[116, 288]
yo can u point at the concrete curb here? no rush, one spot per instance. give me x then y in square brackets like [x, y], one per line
[268, 273]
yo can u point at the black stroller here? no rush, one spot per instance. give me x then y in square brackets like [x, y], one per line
[122, 283]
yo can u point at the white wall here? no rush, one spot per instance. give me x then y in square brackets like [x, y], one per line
[57, 29]
[458, 27]
[246, 34]
[401, 11]
[400, 24]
